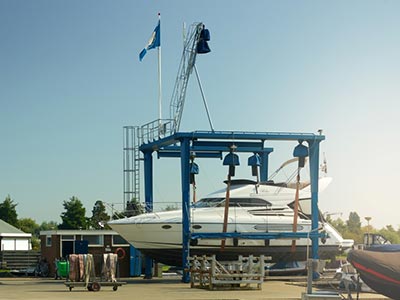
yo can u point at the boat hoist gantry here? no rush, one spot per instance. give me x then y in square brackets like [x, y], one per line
[212, 144]
[164, 138]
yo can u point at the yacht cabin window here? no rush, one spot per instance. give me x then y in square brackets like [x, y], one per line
[233, 202]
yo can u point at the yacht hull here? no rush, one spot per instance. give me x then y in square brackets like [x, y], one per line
[163, 242]
[173, 257]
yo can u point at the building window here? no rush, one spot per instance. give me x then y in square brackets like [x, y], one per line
[118, 240]
[94, 240]
[68, 237]
[48, 240]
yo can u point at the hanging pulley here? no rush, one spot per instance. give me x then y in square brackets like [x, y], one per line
[202, 45]
[254, 161]
[193, 169]
[301, 152]
[231, 160]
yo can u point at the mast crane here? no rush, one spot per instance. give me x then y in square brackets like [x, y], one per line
[195, 43]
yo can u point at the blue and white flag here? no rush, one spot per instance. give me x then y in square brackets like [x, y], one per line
[153, 42]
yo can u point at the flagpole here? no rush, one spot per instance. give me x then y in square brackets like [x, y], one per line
[159, 84]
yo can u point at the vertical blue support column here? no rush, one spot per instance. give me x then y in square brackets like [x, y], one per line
[148, 181]
[264, 165]
[185, 159]
[314, 174]
[148, 195]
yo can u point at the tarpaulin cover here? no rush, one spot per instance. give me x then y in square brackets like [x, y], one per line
[385, 248]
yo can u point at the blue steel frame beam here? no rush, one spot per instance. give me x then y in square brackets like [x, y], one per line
[175, 154]
[148, 190]
[264, 165]
[256, 236]
[231, 136]
[185, 159]
[225, 145]
[209, 149]
[245, 135]
[213, 146]
[314, 168]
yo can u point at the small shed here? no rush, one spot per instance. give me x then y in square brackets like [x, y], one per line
[13, 239]
[58, 244]
[16, 249]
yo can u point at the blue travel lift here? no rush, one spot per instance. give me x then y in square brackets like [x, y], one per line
[164, 137]
[212, 144]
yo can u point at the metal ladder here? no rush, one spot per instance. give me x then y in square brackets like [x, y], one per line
[131, 163]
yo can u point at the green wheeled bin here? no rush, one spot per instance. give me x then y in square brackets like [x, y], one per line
[62, 269]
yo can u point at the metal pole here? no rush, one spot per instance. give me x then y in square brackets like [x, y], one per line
[185, 159]
[309, 263]
[148, 180]
[226, 211]
[264, 166]
[160, 130]
[204, 98]
[148, 189]
[309, 275]
[124, 162]
[368, 230]
[314, 169]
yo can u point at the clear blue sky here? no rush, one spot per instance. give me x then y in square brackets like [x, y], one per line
[70, 79]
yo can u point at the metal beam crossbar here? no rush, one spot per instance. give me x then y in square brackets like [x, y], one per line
[256, 236]
[240, 135]
[202, 154]
[231, 136]
[225, 145]
[212, 149]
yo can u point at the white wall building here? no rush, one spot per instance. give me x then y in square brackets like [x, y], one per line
[13, 239]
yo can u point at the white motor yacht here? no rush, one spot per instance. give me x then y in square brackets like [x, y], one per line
[253, 208]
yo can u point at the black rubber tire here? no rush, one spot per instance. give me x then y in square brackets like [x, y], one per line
[96, 286]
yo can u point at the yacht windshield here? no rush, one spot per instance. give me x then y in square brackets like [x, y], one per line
[209, 202]
[233, 202]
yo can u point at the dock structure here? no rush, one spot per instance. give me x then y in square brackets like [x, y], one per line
[245, 273]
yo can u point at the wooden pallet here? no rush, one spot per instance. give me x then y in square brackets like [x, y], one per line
[244, 273]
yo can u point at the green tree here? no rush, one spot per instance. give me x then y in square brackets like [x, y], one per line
[8, 212]
[74, 215]
[133, 208]
[390, 234]
[50, 225]
[171, 207]
[339, 224]
[351, 229]
[99, 216]
[29, 225]
[354, 223]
